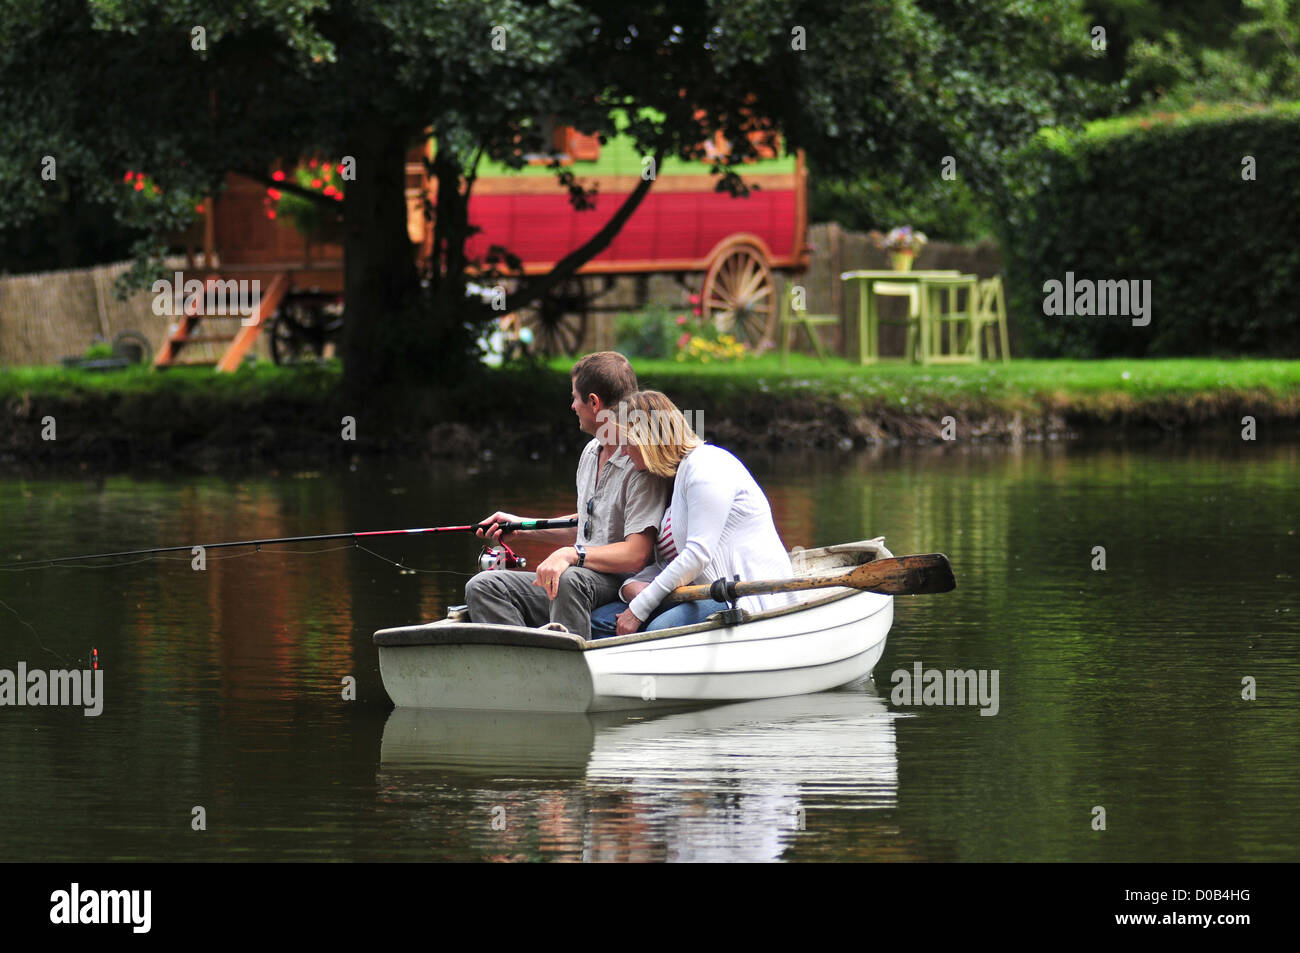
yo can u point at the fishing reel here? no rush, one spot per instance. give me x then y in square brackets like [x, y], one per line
[502, 557]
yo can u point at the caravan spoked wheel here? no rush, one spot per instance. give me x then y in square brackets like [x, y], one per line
[306, 328]
[739, 296]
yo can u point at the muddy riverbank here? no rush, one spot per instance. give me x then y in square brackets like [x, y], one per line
[206, 423]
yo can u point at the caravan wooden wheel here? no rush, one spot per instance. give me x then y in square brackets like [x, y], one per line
[559, 321]
[739, 296]
[305, 328]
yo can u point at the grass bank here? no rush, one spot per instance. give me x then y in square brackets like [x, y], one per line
[827, 403]
[269, 413]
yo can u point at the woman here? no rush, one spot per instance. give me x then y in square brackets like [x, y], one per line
[717, 526]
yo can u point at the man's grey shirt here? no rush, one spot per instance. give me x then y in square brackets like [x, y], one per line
[626, 500]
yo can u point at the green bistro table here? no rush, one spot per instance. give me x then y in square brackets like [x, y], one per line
[871, 284]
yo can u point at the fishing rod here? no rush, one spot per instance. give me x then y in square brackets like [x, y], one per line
[489, 559]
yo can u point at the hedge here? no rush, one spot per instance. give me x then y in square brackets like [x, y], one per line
[1164, 199]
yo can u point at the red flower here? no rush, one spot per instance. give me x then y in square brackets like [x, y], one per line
[277, 175]
[314, 163]
[315, 183]
[338, 196]
[681, 319]
[339, 167]
[684, 340]
[129, 177]
[330, 190]
[270, 213]
[274, 194]
[199, 208]
[139, 185]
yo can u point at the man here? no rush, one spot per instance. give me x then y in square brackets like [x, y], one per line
[619, 509]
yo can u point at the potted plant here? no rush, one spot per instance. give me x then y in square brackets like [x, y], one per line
[315, 221]
[902, 243]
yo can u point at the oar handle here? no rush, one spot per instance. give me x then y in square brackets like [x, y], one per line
[729, 590]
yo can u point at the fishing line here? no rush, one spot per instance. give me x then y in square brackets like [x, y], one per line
[183, 559]
[162, 554]
[133, 562]
[35, 634]
[505, 527]
[406, 568]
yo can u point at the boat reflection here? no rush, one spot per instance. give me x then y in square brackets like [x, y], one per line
[731, 782]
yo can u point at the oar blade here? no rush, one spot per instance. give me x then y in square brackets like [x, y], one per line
[905, 575]
[896, 576]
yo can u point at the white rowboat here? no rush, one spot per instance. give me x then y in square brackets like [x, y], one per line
[830, 638]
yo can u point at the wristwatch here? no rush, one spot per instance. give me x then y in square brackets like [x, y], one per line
[582, 553]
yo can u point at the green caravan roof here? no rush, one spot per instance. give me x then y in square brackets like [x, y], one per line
[619, 156]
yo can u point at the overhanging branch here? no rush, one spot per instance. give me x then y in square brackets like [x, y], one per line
[564, 269]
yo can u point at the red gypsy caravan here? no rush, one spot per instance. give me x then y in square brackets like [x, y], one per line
[724, 247]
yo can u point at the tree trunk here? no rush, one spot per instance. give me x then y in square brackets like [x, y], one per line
[383, 346]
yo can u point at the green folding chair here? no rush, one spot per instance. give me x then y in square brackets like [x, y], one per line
[792, 320]
[991, 318]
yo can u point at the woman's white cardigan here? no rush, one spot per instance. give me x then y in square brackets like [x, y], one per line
[722, 528]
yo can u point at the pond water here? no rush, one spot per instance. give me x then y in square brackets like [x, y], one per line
[1119, 689]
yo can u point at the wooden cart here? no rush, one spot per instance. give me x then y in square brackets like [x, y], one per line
[725, 247]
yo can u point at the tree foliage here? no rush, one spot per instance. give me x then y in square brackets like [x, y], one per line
[192, 89]
[1260, 63]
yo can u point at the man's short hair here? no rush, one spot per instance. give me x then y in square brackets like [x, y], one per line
[607, 374]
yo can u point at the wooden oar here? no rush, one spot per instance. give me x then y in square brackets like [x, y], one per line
[900, 576]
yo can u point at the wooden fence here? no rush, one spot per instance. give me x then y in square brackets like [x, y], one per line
[836, 250]
[44, 317]
[48, 316]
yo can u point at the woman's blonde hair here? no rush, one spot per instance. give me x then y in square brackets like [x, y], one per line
[653, 423]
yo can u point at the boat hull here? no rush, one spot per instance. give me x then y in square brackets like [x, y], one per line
[832, 640]
[500, 677]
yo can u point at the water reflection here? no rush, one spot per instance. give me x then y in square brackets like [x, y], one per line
[1120, 687]
[726, 783]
